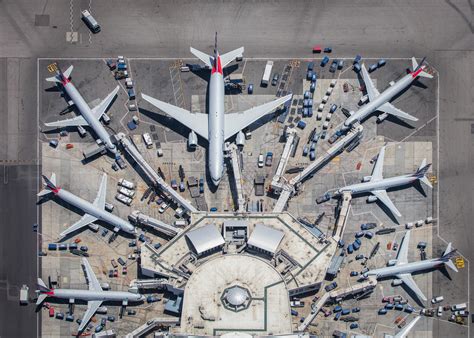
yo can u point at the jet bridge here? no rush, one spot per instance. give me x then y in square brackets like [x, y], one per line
[289, 145]
[236, 170]
[153, 175]
[287, 190]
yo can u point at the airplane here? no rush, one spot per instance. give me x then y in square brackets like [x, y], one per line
[377, 185]
[93, 211]
[403, 333]
[216, 126]
[94, 296]
[89, 117]
[402, 270]
[381, 101]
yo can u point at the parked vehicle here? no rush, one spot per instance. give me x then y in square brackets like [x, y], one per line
[330, 287]
[90, 21]
[436, 300]
[127, 184]
[333, 67]
[367, 226]
[269, 159]
[260, 161]
[275, 79]
[357, 59]
[126, 192]
[250, 89]
[324, 61]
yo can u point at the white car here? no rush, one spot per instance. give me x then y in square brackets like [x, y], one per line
[260, 161]
[147, 140]
[124, 199]
[438, 299]
[440, 311]
[126, 192]
[163, 207]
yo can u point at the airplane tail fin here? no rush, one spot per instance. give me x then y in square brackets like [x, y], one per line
[207, 59]
[421, 173]
[44, 291]
[61, 75]
[49, 184]
[417, 66]
[447, 255]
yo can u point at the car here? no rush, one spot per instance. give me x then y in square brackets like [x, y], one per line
[369, 234]
[250, 89]
[338, 315]
[269, 159]
[323, 134]
[131, 312]
[181, 186]
[312, 87]
[307, 94]
[317, 49]
[327, 50]
[358, 241]
[309, 75]
[330, 287]
[359, 257]
[389, 306]
[367, 226]
[382, 311]
[294, 312]
[311, 65]
[305, 150]
[103, 321]
[345, 312]
[124, 199]
[350, 249]
[333, 108]
[324, 61]
[312, 155]
[275, 79]
[51, 311]
[314, 77]
[409, 309]
[54, 143]
[373, 68]
[333, 67]
[399, 307]
[111, 318]
[163, 208]
[359, 234]
[115, 273]
[357, 67]
[84, 248]
[60, 315]
[213, 209]
[354, 326]
[152, 299]
[356, 309]
[440, 311]
[436, 300]
[174, 184]
[260, 161]
[354, 273]
[395, 246]
[381, 63]
[340, 64]
[333, 138]
[98, 328]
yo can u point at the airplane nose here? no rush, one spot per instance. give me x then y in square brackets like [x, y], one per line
[215, 181]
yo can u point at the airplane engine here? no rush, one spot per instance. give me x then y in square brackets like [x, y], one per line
[371, 199]
[102, 310]
[363, 99]
[382, 117]
[192, 140]
[105, 286]
[397, 282]
[240, 139]
[392, 262]
[366, 178]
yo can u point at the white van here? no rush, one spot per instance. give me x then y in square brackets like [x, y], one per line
[459, 307]
[436, 300]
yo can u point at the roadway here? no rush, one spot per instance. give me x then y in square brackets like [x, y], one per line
[441, 30]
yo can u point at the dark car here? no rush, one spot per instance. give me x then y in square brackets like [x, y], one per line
[275, 79]
[330, 287]
[324, 62]
[333, 67]
[367, 226]
[327, 50]
[357, 67]
[250, 89]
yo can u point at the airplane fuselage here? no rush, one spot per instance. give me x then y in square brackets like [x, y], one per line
[383, 184]
[92, 295]
[405, 268]
[216, 123]
[91, 209]
[384, 97]
[86, 112]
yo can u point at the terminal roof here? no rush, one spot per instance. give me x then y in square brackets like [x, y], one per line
[205, 238]
[265, 238]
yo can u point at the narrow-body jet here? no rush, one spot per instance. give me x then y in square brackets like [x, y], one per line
[92, 211]
[377, 185]
[381, 101]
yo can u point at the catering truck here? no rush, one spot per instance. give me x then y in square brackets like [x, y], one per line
[267, 73]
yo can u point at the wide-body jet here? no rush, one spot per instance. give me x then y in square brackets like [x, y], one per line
[216, 126]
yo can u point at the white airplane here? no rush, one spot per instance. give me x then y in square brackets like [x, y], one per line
[92, 211]
[381, 101]
[94, 296]
[216, 126]
[377, 185]
[403, 333]
[89, 117]
[400, 268]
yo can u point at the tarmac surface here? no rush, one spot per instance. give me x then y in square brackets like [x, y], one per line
[440, 30]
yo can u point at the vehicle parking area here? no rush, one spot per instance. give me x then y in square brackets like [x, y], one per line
[407, 145]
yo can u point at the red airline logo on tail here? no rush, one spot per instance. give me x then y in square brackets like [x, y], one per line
[217, 67]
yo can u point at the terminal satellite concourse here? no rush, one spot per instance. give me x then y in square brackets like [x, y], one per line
[216, 126]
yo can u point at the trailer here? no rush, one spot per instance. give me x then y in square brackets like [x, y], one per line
[267, 73]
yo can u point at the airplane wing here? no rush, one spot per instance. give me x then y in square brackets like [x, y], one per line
[92, 307]
[74, 122]
[100, 109]
[403, 333]
[369, 85]
[383, 197]
[402, 257]
[235, 122]
[101, 194]
[85, 220]
[196, 122]
[389, 108]
[410, 283]
[230, 56]
[207, 59]
[92, 280]
[377, 173]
